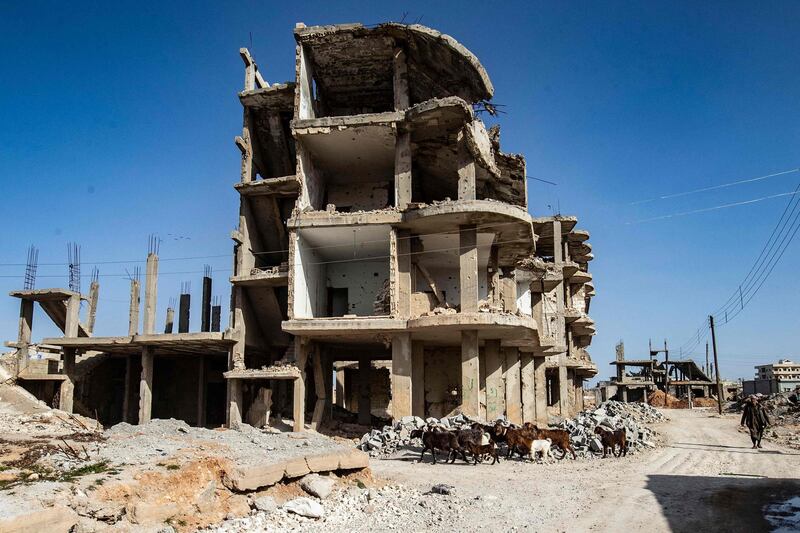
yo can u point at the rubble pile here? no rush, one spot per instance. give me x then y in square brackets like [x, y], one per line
[613, 415]
[633, 417]
[355, 508]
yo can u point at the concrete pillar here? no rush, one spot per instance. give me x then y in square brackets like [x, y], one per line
[495, 388]
[470, 374]
[540, 389]
[201, 391]
[402, 368]
[216, 314]
[302, 348]
[184, 306]
[235, 411]
[67, 389]
[320, 389]
[205, 311]
[73, 316]
[482, 383]
[403, 264]
[400, 80]
[402, 169]
[527, 372]
[146, 385]
[340, 394]
[24, 333]
[239, 329]
[170, 322]
[513, 386]
[468, 268]
[563, 392]
[418, 379]
[94, 294]
[624, 391]
[150, 294]
[133, 313]
[364, 390]
[466, 170]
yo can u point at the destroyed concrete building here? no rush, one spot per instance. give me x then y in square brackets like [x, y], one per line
[380, 226]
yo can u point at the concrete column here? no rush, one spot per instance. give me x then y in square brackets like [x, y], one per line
[513, 387]
[235, 410]
[364, 390]
[563, 384]
[216, 313]
[418, 379]
[205, 311]
[146, 385]
[150, 294]
[400, 80]
[468, 268]
[170, 322]
[528, 387]
[239, 328]
[470, 374]
[201, 391]
[320, 389]
[624, 391]
[67, 389]
[184, 306]
[482, 383]
[466, 170]
[340, 394]
[402, 385]
[402, 169]
[302, 347]
[133, 313]
[540, 390]
[94, 294]
[403, 287]
[495, 388]
[73, 316]
[24, 333]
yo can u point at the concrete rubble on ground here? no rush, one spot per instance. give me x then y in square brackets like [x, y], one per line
[633, 417]
[358, 509]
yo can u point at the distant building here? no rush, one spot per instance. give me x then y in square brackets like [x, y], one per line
[775, 377]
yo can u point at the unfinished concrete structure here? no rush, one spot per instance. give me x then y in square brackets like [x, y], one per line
[379, 222]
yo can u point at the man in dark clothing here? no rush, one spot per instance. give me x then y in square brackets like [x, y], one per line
[754, 416]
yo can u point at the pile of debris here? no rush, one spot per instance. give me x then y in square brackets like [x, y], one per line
[611, 414]
[631, 417]
[660, 399]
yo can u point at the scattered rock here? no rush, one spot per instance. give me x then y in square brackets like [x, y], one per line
[265, 504]
[305, 507]
[318, 486]
[441, 488]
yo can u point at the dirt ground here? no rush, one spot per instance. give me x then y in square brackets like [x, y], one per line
[704, 477]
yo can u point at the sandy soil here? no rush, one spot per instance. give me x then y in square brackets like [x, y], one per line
[705, 477]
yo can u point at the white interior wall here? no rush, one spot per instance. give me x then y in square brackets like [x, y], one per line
[309, 282]
[524, 298]
[362, 279]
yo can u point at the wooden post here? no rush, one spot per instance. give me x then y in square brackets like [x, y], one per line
[716, 363]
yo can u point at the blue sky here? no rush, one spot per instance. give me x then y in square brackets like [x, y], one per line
[118, 121]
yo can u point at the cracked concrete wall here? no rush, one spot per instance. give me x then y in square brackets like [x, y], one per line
[442, 375]
[362, 279]
[360, 197]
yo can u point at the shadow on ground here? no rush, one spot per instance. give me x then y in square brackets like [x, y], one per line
[702, 503]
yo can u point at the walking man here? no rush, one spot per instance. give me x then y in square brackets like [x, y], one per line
[754, 416]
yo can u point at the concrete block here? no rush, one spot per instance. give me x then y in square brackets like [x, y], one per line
[254, 477]
[353, 459]
[318, 486]
[305, 507]
[297, 467]
[323, 462]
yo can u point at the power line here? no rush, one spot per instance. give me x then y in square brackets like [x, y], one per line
[714, 208]
[714, 187]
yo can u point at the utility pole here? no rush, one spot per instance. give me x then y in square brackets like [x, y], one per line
[666, 368]
[716, 362]
[707, 369]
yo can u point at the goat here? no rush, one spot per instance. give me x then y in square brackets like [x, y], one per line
[470, 438]
[541, 448]
[520, 441]
[438, 440]
[558, 437]
[610, 439]
[478, 452]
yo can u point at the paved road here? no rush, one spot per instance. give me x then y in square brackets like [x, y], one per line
[705, 477]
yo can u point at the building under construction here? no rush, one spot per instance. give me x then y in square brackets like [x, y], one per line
[383, 235]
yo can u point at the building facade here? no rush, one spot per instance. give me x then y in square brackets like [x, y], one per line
[782, 376]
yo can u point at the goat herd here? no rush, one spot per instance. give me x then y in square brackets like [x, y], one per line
[482, 441]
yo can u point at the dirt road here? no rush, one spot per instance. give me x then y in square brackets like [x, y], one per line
[705, 477]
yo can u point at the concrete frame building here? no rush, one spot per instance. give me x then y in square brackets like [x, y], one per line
[379, 222]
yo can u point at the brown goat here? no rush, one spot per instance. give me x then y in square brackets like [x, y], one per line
[611, 439]
[478, 452]
[559, 438]
[519, 440]
[438, 440]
